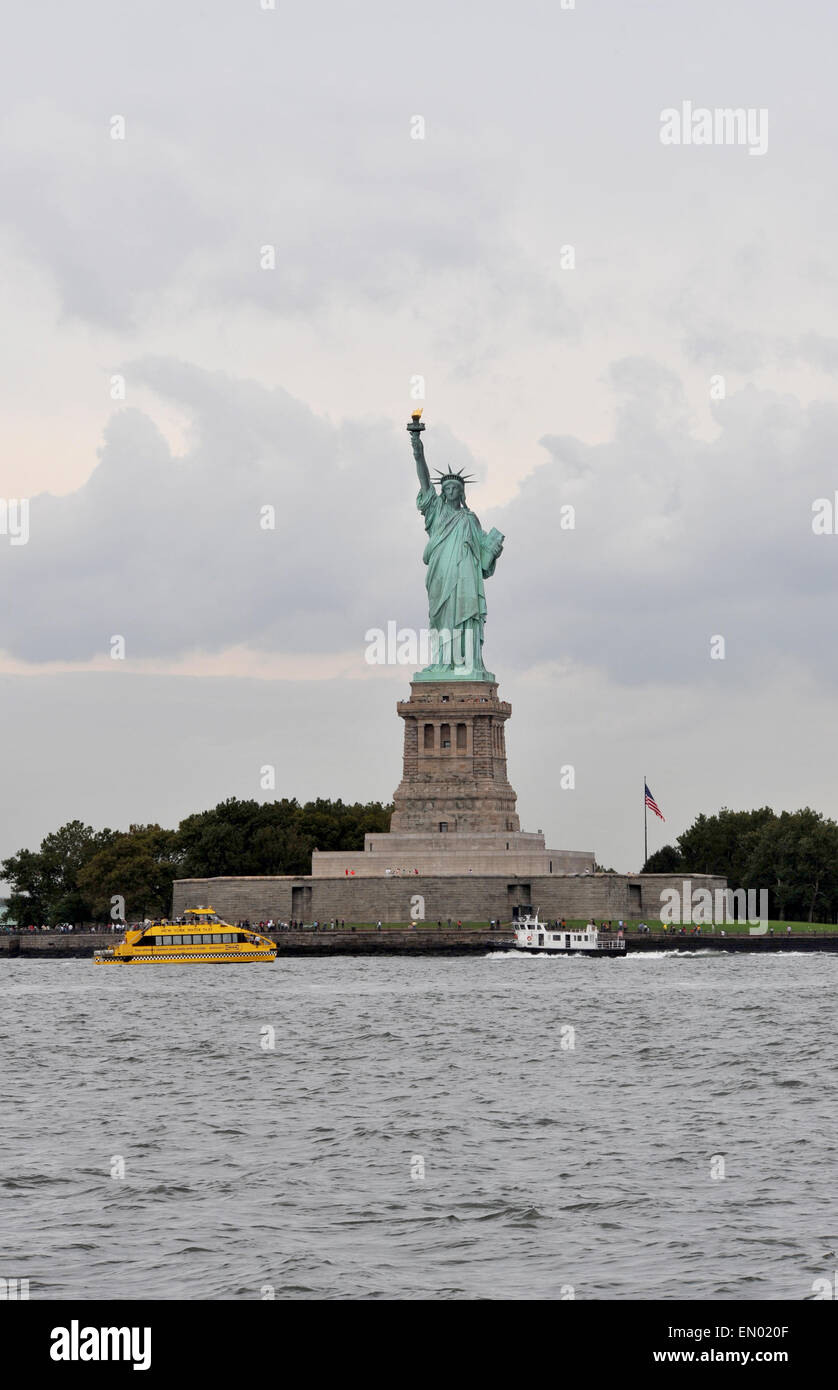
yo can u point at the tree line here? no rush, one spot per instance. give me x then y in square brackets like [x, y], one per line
[77, 871]
[793, 855]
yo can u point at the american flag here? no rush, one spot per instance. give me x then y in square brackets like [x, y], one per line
[651, 802]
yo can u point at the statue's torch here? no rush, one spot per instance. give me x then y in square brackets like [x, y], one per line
[415, 423]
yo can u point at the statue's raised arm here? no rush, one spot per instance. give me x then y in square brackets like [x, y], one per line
[415, 428]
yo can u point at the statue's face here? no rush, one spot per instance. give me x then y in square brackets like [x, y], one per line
[453, 491]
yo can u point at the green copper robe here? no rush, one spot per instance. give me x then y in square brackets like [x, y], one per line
[459, 556]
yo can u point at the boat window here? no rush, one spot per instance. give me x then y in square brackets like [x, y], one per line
[226, 937]
[186, 941]
[165, 941]
[217, 939]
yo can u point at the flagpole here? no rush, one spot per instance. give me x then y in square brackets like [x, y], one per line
[645, 824]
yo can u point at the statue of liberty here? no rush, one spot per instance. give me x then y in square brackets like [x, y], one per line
[459, 556]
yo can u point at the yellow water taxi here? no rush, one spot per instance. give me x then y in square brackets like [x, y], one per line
[199, 938]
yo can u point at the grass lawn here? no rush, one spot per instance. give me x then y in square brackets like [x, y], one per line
[729, 928]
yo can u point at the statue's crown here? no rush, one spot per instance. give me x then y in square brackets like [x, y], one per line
[460, 476]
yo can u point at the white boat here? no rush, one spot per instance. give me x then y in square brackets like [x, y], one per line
[541, 938]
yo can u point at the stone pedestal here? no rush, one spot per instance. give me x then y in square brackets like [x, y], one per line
[454, 811]
[454, 779]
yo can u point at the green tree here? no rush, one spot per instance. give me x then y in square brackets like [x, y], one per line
[795, 857]
[27, 902]
[252, 837]
[667, 860]
[139, 867]
[44, 883]
[723, 844]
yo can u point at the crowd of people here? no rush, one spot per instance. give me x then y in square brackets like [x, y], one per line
[63, 927]
[293, 925]
[271, 925]
[622, 927]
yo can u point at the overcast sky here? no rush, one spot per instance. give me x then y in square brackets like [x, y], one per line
[673, 378]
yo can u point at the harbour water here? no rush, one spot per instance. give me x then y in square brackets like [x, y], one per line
[663, 1126]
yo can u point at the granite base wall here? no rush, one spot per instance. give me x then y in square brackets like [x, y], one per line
[468, 897]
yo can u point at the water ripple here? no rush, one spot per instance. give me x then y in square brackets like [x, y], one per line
[422, 1128]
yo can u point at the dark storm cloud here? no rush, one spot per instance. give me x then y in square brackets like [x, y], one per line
[170, 551]
[675, 541]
